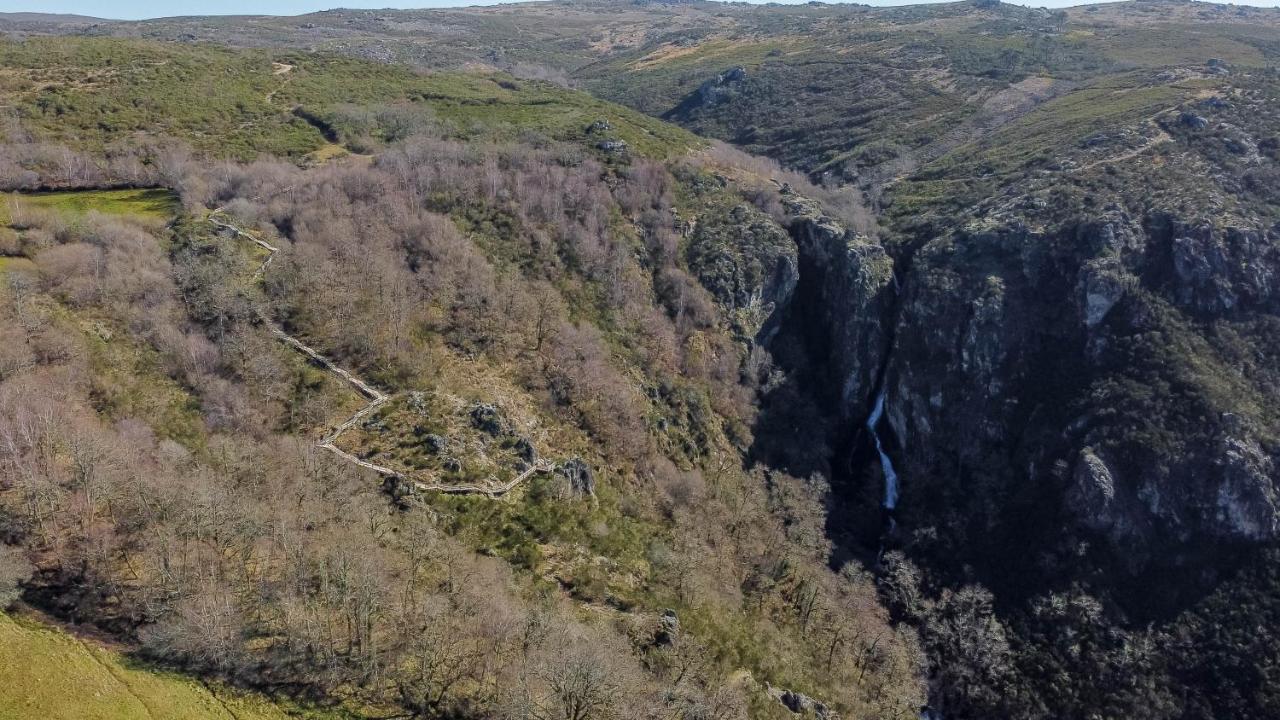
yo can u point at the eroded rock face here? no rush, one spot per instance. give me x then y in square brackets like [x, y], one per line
[1217, 271]
[1103, 282]
[844, 296]
[1092, 495]
[1069, 381]
[959, 361]
[1248, 503]
[747, 262]
[578, 474]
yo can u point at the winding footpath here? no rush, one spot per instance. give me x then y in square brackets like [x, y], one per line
[376, 397]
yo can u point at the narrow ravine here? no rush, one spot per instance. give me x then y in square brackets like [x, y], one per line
[376, 397]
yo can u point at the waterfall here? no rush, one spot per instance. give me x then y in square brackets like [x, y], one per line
[890, 476]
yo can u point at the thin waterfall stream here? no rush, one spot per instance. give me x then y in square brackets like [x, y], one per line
[886, 465]
[890, 500]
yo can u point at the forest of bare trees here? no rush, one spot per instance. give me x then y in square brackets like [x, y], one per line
[156, 477]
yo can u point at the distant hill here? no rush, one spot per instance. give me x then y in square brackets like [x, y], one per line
[46, 22]
[850, 91]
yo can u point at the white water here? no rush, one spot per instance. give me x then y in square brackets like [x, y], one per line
[890, 476]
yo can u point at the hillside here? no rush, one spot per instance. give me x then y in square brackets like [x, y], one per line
[105, 95]
[857, 93]
[974, 404]
[504, 262]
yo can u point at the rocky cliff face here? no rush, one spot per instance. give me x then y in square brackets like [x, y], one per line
[1093, 379]
[1082, 383]
[821, 299]
[1204, 289]
[1097, 379]
[842, 303]
[1078, 340]
[747, 262]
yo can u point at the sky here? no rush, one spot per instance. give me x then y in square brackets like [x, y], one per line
[138, 9]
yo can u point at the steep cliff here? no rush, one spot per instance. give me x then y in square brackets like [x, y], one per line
[1082, 379]
[1081, 372]
[828, 332]
[842, 304]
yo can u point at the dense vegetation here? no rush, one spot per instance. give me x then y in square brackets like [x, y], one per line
[160, 479]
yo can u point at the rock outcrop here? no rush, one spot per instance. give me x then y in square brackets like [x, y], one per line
[668, 631]
[801, 704]
[714, 90]
[1092, 494]
[577, 473]
[488, 418]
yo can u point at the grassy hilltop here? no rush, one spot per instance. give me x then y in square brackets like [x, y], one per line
[99, 93]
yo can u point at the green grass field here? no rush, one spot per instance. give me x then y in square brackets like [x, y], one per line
[149, 203]
[51, 675]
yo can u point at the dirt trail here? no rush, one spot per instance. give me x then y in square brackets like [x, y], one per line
[376, 397]
[280, 70]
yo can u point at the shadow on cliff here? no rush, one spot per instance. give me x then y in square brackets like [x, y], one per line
[830, 338]
[986, 493]
[801, 432]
